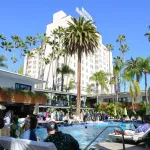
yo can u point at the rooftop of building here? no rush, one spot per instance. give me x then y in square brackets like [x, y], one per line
[14, 75]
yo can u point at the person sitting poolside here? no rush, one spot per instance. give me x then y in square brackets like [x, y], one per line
[30, 126]
[15, 129]
[141, 129]
[62, 141]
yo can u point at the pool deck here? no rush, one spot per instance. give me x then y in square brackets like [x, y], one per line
[118, 146]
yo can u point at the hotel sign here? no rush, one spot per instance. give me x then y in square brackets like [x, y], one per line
[85, 14]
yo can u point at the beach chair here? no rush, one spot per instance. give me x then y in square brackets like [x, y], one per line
[21, 144]
[136, 138]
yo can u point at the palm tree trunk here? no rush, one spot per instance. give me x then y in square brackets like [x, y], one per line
[13, 58]
[79, 84]
[67, 74]
[5, 56]
[110, 70]
[27, 64]
[62, 81]
[133, 105]
[57, 60]
[146, 96]
[117, 99]
[48, 74]
[97, 92]
[20, 58]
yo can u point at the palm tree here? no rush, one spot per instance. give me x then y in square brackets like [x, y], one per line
[43, 40]
[110, 47]
[118, 64]
[134, 66]
[28, 54]
[64, 70]
[16, 40]
[22, 47]
[14, 60]
[2, 38]
[2, 60]
[70, 86]
[89, 89]
[80, 37]
[7, 46]
[123, 49]
[31, 40]
[145, 65]
[121, 38]
[100, 78]
[148, 34]
[51, 58]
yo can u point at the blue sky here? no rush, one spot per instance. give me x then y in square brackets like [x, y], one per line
[131, 18]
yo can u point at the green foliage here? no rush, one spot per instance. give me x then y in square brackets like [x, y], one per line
[110, 109]
[101, 79]
[20, 70]
[2, 64]
[27, 94]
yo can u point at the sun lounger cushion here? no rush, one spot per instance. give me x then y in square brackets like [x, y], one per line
[136, 137]
[20, 144]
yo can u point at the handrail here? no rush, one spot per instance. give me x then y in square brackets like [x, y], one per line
[102, 132]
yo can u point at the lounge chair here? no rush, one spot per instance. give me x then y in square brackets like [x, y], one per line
[21, 144]
[137, 137]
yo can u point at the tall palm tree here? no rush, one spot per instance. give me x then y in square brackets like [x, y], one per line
[100, 78]
[123, 49]
[2, 62]
[121, 38]
[31, 40]
[51, 58]
[110, 47]
[80, 37]
[64, 70]
[8, 47]
[43, 39]
[133, 65]
[14, 60]
[145, 65]
[28, 54]
[148, 34]
[22, 47]
[70, 86]
[2, 38]
[89, 89]
[118, 64]
[16, 44]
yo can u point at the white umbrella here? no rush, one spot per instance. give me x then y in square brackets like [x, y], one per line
[36, 109]
[125, 111]
[2, 107]
[115, 113]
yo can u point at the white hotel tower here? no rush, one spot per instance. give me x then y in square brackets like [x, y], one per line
[101, 60]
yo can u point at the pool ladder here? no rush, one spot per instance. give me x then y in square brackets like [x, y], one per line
[102, 132]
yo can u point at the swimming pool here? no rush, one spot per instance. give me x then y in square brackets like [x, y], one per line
[85, 135]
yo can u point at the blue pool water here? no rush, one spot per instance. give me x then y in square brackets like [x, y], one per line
[85, 136]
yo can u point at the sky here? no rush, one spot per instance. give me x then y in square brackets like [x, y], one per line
[112, 17]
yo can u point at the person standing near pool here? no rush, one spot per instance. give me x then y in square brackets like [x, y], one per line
[30, 126]
[61, 140]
